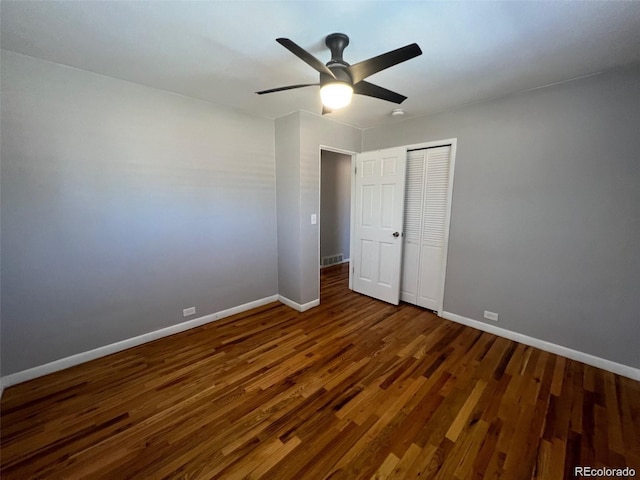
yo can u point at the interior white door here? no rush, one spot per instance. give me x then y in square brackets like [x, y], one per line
[377, 233]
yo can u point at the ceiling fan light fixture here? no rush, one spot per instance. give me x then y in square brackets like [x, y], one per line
[339, 81]
[336, 95]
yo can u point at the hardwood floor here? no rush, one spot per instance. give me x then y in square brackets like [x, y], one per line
[352, 389]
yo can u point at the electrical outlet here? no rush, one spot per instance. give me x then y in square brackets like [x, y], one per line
[189, 311]
[491, 316]
[314, 219]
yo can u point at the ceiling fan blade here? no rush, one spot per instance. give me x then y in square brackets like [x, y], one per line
[305, 56]
[371, 90]
[325, 110]
[362, 70]
[290, 87]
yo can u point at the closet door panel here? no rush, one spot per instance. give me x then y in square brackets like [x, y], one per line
[434, 215]
[414, 189]
[435, 196]
[410, 267]
[429, 282]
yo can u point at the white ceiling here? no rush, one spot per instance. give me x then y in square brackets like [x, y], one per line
[225, 51]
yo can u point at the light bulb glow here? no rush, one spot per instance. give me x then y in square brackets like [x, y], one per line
[336, 95]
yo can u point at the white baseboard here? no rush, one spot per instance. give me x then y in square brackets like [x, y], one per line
[83, 357]
[610, 366]
[297, 306]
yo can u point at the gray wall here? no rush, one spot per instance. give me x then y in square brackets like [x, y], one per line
[335, 203]
[287, 131]
[122, 205]
[545, 226]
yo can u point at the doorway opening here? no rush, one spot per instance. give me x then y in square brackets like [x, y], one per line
[335, 210]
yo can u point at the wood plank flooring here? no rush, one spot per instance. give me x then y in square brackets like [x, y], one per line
[352, 389]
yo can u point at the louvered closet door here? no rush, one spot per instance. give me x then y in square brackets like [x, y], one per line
[412, 225]
[426, 201]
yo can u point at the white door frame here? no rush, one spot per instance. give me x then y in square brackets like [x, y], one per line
[353, 156]
[445, 250]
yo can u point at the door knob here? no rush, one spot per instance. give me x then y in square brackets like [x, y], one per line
[396, 234]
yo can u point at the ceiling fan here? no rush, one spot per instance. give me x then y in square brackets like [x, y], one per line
[339, 80]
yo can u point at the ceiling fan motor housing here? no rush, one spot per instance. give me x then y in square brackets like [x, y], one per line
[337, 42]
[341, 76]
